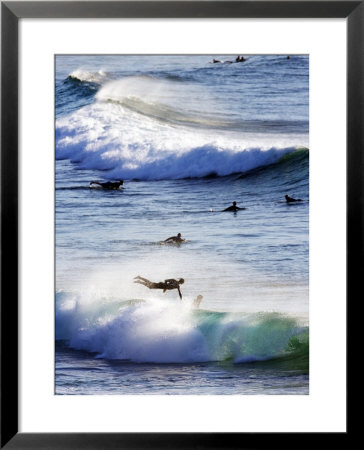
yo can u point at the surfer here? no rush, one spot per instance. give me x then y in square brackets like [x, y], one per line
[291, 199]
[107, 184]
[233, 207]
[175, 239]
[215, 61]
[197, 301]
[166, 285]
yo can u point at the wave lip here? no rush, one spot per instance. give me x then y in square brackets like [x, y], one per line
[166, 100]
[201, 162]
[89, 76]
[185, 103]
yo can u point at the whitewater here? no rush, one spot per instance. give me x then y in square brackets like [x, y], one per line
[143, 127]
[187, 137]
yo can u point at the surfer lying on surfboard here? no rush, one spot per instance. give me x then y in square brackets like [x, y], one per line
[290, 199]
[233, 207]
[166, 285]
[107, 184]
[175, 239]
[237, 60]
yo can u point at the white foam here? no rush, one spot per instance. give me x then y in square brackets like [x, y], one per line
[92, 77]
[109, 136]
[164, 332]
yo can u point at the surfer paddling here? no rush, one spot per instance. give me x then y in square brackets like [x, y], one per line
[166, 285]
[107, 184]
[175, 239]
[291, 199]
[238, 59]
[234, 207]
[217, 61]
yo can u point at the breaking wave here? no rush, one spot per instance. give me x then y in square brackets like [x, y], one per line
[90, 77]
[140, 127]
[161, 332]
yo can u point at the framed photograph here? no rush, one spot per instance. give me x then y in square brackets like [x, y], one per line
[181, 221]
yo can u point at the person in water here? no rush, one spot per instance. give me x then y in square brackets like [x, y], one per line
[240, 59]
[108, 184]
[233, 207]
[166, 285]
[175, 239]
[197, 301]
[291, 199]
[215, 61]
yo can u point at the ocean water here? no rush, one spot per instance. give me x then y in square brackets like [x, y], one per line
[188, 138]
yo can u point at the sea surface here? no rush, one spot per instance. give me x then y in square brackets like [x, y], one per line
[188, 137]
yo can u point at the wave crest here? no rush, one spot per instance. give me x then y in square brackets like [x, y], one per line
[167, 100]
[87, 76]
[153, 164]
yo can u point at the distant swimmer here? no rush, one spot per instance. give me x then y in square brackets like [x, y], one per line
[107, 184]
[288, 57]
[240, 59]
[214, 61]
[233, 207]
[292, 200]
[175, 239]
[166, 285]
[197, 301]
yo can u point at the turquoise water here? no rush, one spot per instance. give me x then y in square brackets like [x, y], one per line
[188, 138]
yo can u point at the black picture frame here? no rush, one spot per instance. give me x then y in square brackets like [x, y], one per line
[11, 13]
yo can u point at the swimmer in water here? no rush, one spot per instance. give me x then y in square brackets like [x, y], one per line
[214, 61]
[107, 184]
[291, 200]
[240, 59]
[197, 301]
[233, 207]
[166, 285]
[175, 239]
